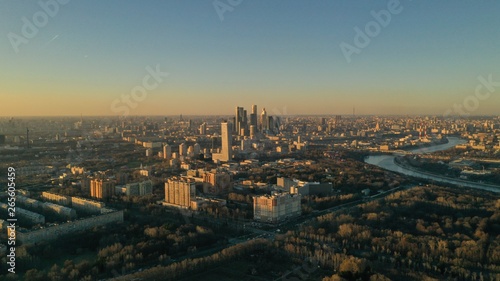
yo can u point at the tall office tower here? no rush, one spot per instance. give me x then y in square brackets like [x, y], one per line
[264, 121]
[245, 120]
[238, 119]
[226, 153]
[203, 129]
[253, 120]
[252, 130]
[270, 123]
[167, 152]
[226, 142]
[183, 149]
[180, 191]
[253, 116]
[101, 189]
[277, 124]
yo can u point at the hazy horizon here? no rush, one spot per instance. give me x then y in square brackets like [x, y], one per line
[89, 55]
[347, 116]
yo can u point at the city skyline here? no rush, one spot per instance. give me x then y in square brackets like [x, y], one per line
[423, 60]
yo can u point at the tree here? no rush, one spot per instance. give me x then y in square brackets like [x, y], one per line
[34, 275]
[353, 268]
[379, 277]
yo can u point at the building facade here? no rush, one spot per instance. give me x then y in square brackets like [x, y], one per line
[216, 182]
[180, 191]
[139, 188]
[276, 207]
[101, 189]
[226, 152]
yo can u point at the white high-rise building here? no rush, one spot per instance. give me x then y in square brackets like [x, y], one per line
[226, 152]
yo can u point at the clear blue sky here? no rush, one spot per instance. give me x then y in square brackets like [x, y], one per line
[276, 54]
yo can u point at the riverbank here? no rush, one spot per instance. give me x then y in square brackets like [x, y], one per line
[411, 148]
[401, 164]
[387, 162]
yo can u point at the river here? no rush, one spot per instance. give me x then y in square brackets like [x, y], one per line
[387, 162]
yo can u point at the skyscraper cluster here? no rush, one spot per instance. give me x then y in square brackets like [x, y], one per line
[244, 126]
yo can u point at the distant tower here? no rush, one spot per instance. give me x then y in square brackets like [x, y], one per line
[237, 119]
[252, 131]
[167, 152]
[226, 152]
[270, 123]
[27, 138]
[203, 128]
[226, 141]
[240, 119]
[264, 120]
[253, 116]
[254, 109]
